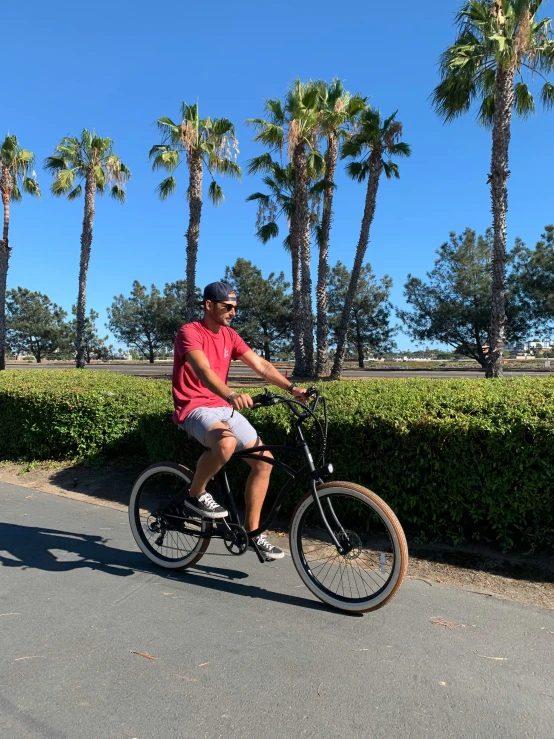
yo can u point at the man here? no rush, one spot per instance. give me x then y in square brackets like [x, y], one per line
[207, 409]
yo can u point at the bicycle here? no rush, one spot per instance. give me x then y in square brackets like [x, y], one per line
[346, 543]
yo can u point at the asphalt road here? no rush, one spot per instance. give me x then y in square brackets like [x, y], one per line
[243, 650]
[239, 370]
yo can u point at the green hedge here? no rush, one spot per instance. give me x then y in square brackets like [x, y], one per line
[456, 459]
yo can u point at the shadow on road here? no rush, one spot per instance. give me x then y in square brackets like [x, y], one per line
[61, 551]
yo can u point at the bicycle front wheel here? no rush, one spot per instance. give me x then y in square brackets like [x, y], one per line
[374, 558]
[160, 524]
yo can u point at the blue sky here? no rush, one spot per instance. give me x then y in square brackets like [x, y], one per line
[117, 66]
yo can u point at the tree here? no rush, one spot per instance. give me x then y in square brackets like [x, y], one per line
[94, 344]
[371, 148]
[35, 324]
[16, 166]
[498, 41]
[453, 305]
[273, 205]
[89, 160]
[264, 314]
[149, 322]
[337, 111]
[534, 278]
[369, 330]
[203, 143]
[296, 122]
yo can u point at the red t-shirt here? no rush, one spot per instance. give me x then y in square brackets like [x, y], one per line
[188, 391]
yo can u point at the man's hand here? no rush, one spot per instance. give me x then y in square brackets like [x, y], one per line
[299, 393]
[240, 401]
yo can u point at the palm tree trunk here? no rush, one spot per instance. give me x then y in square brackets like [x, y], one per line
[503, 102]
[193, 232]
[86, 243]
[322, 353]
[4, 264]
[359, 346]
[297, 324]
[302, 218]
[375, 167]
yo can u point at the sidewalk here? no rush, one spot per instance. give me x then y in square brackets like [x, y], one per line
[242, 649]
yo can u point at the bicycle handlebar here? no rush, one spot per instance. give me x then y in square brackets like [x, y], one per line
[268, 398]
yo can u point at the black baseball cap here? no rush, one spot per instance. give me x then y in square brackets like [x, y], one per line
[217, 291]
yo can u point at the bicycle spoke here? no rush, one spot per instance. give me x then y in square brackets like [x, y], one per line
[366, 563]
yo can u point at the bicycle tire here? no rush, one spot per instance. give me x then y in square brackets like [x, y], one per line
[298, 536]
[183, 477]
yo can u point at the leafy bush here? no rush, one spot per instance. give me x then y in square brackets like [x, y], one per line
[456, 459]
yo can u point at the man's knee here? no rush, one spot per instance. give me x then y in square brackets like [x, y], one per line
[221, 441]
[259, 464]
[225, 445]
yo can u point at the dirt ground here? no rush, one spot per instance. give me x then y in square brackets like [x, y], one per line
[479, 569]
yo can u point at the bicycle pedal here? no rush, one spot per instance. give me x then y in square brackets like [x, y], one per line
[252, 545]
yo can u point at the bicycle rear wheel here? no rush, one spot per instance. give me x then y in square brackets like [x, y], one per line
[372, 567]
[161, 527]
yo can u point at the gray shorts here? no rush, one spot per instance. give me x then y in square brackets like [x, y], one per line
[200, 420]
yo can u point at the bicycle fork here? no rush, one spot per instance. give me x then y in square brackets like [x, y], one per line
[314, 477]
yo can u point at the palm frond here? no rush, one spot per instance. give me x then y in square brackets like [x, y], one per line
[164, 158]
[524, 102]
[75, 193]
[222, 127]
[547, 95]
[401, 149]
[262, 163]
[226, 167]
[315, 163]
[485, 115]
[321, 186]
[15, 194]
[30, 186]
[391, 170]
[166, 188]
[166, 125]
[267, 232]
[270, 135]
[100, 177]
[118, 193]
[260, 197]
[215, 193]
[351, 147]
[357, 170]
[55, 163]
[454, 95]
[63, 182]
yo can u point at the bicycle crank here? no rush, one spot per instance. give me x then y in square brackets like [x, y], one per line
[235, 538]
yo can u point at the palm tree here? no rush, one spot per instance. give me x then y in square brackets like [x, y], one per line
[88, 160]
[274, 204]
[337, 109]
[296, 123]
[371, 147]
[498, 41]
[16, 176]
[204, 143]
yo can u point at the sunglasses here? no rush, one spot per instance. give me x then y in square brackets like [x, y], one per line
[228, 306]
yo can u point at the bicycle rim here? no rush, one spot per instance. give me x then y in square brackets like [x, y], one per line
[160, 524]
[368, 574]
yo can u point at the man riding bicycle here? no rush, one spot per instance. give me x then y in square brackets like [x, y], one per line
[208, 410]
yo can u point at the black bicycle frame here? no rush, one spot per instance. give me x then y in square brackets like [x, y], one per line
[308, 468]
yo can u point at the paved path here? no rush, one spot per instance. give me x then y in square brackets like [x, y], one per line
[243, 650]
[239, 370]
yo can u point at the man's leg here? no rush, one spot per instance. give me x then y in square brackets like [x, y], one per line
[256, 486]
[221, 445]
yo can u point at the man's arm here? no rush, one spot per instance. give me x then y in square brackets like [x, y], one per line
[201, 366]
[268, 372]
